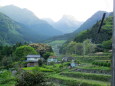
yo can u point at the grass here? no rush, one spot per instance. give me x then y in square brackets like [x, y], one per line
[38, 68]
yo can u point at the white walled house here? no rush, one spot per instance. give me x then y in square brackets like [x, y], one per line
[32, 60]
[52, 59]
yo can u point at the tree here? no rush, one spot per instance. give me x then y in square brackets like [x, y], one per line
[79, 48]
[88, 47]
[46, 55]
[40, 62]
[24, 50]
[32, 79]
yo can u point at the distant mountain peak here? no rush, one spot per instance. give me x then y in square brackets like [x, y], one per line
[66, 24]
[69, 17]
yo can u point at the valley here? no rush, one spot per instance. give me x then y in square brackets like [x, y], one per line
[40, 52]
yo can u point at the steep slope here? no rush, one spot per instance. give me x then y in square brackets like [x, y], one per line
[9, 31]
[66, 24]
[86, 25]
[28, 19]
[104, 35]
[91, 21]
[101, 41]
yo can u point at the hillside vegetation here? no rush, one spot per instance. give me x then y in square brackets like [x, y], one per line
[90, 41]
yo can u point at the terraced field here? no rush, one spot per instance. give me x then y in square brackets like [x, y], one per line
[87, 73]
[67, 80]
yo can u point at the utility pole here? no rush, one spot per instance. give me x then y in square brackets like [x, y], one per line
[113, 47]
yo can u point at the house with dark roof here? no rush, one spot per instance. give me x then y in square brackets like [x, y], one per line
[32, 60]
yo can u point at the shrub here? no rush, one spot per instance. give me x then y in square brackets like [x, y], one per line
[32, 79]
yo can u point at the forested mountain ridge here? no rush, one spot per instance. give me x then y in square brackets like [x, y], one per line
[37, 27]
[104, 35]
[9, 30]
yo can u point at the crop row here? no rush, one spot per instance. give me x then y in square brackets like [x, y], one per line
[91, 76]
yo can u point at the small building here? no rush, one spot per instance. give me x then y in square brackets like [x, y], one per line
[32, 60]
[66, 59]
[73, 64]
[52, 59]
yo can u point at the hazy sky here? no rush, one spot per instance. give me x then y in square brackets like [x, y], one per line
[55, 9]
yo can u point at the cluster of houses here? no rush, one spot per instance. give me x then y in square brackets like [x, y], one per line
[32, 60]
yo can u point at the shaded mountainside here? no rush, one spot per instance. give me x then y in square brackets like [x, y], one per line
[39, 28]
[86, 25]
[9, 30]
[12, 32]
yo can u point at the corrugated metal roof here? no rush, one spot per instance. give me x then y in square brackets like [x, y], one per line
[33, 56]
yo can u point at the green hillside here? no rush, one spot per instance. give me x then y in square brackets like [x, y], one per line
[9, 31]
[104, 35]
[90, 41]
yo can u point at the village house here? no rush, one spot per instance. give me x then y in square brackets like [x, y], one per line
[32, 60]
[66, 59]
[52, 59]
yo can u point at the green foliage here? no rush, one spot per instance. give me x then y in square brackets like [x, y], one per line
[41, 48]
[32, 79]
[9, 31]
[7, 55]
[24, 50]
[56, 45]
[40, 62]
[91, 76]
[87, 47]
[105, 33]
[107, 44]
[76, 82]
[102, 63]
[6, 78]
[46, 55]
[38, 69]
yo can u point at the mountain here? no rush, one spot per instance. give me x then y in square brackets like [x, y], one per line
[91, 21]
[66, 24]
[36, 26]
[86, 25]
[103, 40]
[9, 31]
[92, 33]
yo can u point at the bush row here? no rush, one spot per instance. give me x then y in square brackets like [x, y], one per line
[92, 76]
[105, 64]
[77, 82]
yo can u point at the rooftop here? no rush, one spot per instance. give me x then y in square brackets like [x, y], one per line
[33, 56]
